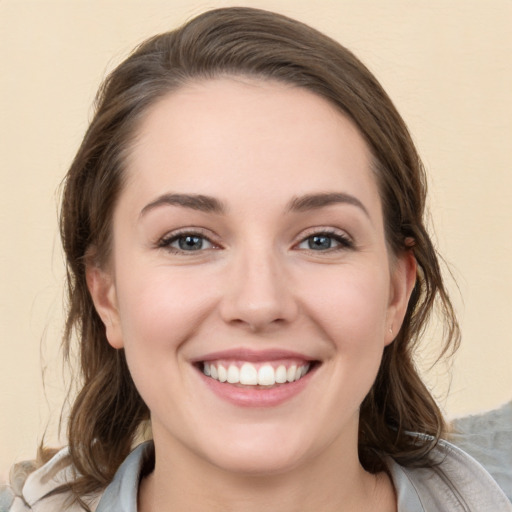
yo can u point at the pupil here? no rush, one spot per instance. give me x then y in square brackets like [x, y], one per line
[190, 243]
[320, 242]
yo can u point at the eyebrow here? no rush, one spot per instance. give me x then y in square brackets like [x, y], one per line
[193, 201]
[315, 201]
[210, 204]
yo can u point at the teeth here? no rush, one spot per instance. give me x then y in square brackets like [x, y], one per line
[249, 375]
[281, 374]
[233, 374]
[223, 374]
[266, 376]
[290, 374]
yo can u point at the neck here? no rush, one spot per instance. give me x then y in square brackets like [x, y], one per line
[331, 482]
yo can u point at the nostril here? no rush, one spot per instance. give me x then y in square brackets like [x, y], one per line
[258, 316]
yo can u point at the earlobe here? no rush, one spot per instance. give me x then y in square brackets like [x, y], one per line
[103, 293]
[403, 279]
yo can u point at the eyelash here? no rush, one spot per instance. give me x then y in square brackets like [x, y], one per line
[344, 242]
[167, 241]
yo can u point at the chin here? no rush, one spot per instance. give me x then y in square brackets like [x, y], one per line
[257, 463]
[258, 455]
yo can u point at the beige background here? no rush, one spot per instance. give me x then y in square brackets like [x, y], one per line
[447, 65]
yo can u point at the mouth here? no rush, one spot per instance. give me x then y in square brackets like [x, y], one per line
[264, 378]
[257, 375]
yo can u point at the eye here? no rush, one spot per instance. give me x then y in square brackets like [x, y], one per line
[186, 242]
[326, 241]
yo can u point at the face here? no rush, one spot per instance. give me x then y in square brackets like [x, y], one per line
[250, 282]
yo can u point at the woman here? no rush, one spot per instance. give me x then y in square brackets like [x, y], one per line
[250, 272]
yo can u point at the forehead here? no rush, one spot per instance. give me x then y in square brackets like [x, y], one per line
[238, 135]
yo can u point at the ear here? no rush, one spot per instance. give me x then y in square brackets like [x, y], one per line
[102, 288]
[403, 279]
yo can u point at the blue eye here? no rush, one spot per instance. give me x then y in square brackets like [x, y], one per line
[320, 242]
[186, 242]
[325, 242]
[190, 242]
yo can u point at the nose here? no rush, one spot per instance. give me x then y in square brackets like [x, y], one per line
[259, 295]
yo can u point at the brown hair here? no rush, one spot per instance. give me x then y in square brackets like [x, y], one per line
[108, 410]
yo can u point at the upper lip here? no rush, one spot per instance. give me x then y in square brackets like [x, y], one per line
[254, 356]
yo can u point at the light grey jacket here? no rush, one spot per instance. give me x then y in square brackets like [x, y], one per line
[457, 484]
[488, 438]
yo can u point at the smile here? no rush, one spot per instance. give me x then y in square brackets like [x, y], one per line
[256, 378]
[255, 374]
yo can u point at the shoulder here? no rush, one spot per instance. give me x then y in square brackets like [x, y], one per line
[33, 489]
[488, 438]
[455, 482]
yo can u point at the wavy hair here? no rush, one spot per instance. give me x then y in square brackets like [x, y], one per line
[108, 412]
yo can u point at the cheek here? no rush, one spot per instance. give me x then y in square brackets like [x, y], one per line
[352, 314]
[158, 314]
[159, 309]
[351, 306]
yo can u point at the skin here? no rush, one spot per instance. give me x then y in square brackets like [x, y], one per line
[255, 284]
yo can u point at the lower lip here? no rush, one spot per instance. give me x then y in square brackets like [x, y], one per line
[257, 397]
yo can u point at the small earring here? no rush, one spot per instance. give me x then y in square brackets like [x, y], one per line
[391, 330]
